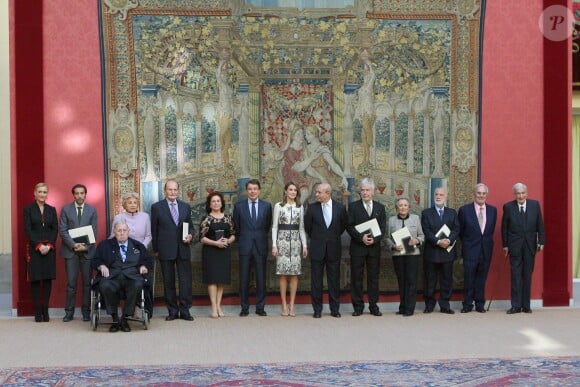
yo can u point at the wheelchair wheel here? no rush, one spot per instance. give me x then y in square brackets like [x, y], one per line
[95, 320]
[145, 320]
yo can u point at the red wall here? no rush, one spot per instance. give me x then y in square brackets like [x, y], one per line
[512, 123]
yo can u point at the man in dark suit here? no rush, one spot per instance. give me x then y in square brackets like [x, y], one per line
[77, 255]
[477, 225]
[365, 249]
[253, 219]
[171, 244]
[522, 234]
[324, 222]
[437, 260]
[122, 262]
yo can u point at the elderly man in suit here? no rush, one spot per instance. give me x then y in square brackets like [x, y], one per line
[439, 252]
[477, 225]
[365, 249]
[172, 246]
[77, 255]
[522, 234]
[253, 219]
[122, 262]
[324, 222]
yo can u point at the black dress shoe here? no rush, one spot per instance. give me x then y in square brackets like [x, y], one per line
[447, 311]
[514, 310]
[335, 314]
[316, 315]
[408, 314]
[261, 313]
[480, 310]
[466, 310]
[86, 317]
[400, 312]
[171, 317]
[186, 317]
[356, 313]
[428, 309]
[114, 327]
[244, 313]
[68, 317]
[125, 325]
[526, 310]
[376, 313]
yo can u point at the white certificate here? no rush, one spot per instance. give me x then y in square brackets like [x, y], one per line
[185, 230]
[401, 234]
[371, 226]
[444, 232]
[83, 234]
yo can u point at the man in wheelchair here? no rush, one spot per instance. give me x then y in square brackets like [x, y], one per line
[122, 262]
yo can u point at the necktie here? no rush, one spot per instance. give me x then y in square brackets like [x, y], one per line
[440, 213]
[79, 214]
[254, 217]
[174, 213]
[522, 212]
[480, 218]
[123, 252]
[368, 207]
[326, 214]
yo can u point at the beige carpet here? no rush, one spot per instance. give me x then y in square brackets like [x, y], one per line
[232, 339]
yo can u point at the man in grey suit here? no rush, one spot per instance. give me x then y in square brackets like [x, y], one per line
[253, 220]
[522, 234]
[77, 255]
[172, 246]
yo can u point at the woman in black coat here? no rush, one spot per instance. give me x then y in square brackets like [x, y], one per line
[41, 227]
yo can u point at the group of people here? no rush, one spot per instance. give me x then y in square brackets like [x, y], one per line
[122, 260]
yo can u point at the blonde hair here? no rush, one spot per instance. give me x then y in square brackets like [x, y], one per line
[129, 195]
[41, 184]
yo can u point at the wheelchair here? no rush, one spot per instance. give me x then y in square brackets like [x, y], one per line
[143, 308]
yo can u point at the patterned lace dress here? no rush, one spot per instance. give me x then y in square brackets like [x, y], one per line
[288, 236]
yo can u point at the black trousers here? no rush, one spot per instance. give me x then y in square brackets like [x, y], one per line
[406, 270]
[111, 292]
[332, 266]
[174, 305]
[442, 272]
[357, 268]
[522, 266]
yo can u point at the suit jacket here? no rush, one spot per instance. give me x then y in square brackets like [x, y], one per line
[68, 220]
[357, 214]
[325, 241]
[517, 230]
[473, 241]
[108, 253]
[431, 224]
[249, 233]
[167, 237]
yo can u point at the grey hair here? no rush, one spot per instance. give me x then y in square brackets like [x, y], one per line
[368, 181]
[519, 186]
[402, 198]
[475, 187]
[118, 222]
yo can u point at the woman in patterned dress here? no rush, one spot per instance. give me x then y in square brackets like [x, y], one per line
[216, 233]
[289, 243]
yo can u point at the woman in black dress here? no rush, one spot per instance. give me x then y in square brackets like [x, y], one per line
[41, 227]
[216, 233]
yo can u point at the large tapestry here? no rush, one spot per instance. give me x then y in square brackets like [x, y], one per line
[213, 93]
